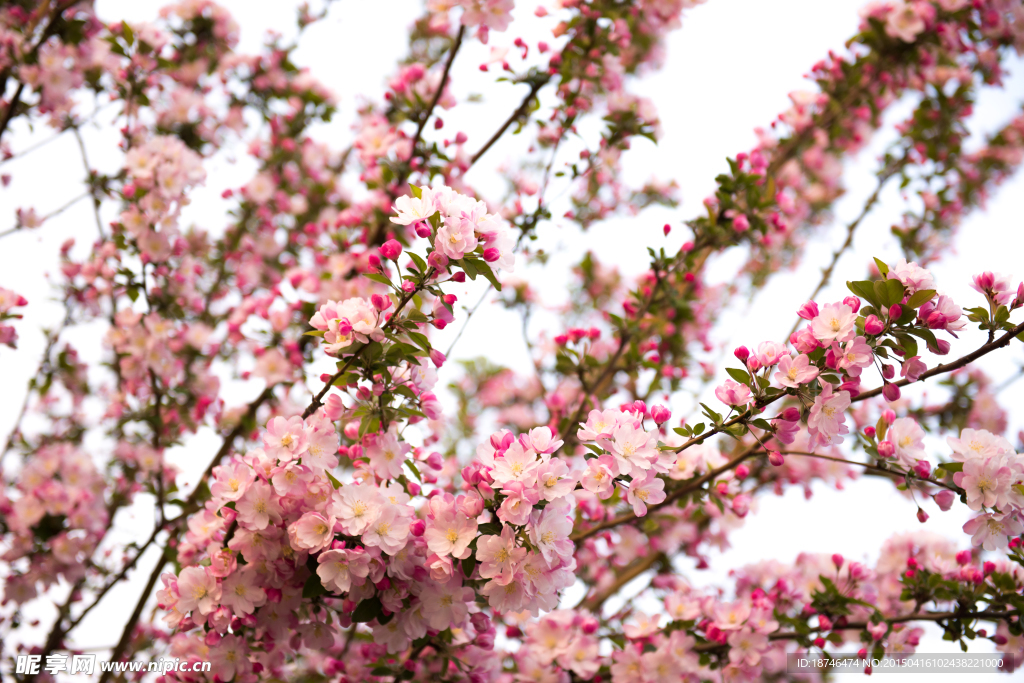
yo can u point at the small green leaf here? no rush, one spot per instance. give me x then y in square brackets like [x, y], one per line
[378, 277]
[334, 482]
[312, 588]
[920, 297]
[368, 610]
[883, 267]
[127, 32]
[739, 375]
[416, 192]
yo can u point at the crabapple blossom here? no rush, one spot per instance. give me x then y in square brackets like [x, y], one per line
[732, 393]
[834, 322]
[795, 371]
[649, 490]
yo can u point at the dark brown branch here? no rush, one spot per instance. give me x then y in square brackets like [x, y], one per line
[950, 367]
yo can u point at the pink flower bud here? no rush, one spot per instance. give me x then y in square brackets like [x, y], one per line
[460, 138]
[408, 286]
[667, 229]
[872, 325]
[999, 640]
[869, 432]
[989, 567]
[458, 277]
[922, 469]
[889, 416]
[422, 229]
[471, 504]
[640, 407]
[741, 223]
[895, 311]
[374, 261]
[809, 311]
[741, 505]
[936, 321]
[417, 527]
[742, 472]
[742, 353]
[438, 261]
[790, 414]
[838, 560]
[941, 348]
[391, 250]
[886, 449]
[491, 254]
[381, 303]
[824, 623]
[944, 499]
[661, 414]
[775, 458]
[435, 461]
[853, 302]
[922, 516]
[891, 392]
[963, 557]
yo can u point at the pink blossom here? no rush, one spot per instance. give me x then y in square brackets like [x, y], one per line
[389, 532]
[977, 443]
[518, 503]
[499, 555]
[258, 507]
[340, 569]
[732, 393]
[912, 276]
[827, 417]
[650, 490]
[599, 477]
[994, 286]
[912, 368]
[987, 482]
[241, 592]
[387, 453]
[907, 438]
[549, 530]
[904, 22]
[312, 532]
[854, 356]
[197, 589]
[990, 531]
[286, 438]
[795, 371]
[834, 322]
[448, 531]
[634, 449]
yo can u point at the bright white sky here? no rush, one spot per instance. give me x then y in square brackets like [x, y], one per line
[722, 78]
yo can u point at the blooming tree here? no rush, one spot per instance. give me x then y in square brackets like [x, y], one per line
[348, 526]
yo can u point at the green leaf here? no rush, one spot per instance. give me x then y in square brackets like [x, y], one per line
[416, 192]
[952, 466]
[468, 565]
[486, 271]
[470, 267]
[334, 482]
[920, 297]
[489, 529]
[368, 610]
[412, 466]
[127, 32]
[378, 277]
[715, 417]
[739, 375]
[883, 267]
[421, 265]
[313, 588]
[315, 333]
[891, 291]
[864, 289]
